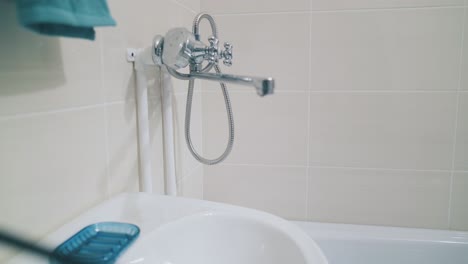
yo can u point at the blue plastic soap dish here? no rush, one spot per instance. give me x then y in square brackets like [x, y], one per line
[98, 243]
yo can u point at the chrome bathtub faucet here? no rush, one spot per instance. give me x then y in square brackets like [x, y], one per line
[180, 48]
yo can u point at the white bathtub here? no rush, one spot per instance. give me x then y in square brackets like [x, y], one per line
[352, 244]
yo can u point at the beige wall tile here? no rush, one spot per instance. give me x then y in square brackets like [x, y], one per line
[269, 130]
[363, 4]
[186, 163]
[459, 207]
[156, 139]
[123, 148]
[118, 75]
[267, 45]
[382, 130]
[179, 15]
[191, 186]
[53, 168]
[464, 71]
[414, 49]
[461, 148]
[379, 197]
[259, 6]
[278, 190]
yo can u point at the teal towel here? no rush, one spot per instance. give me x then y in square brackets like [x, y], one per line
[67, 18]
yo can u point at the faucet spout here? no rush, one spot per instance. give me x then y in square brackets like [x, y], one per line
[264, 86]
[179, 48]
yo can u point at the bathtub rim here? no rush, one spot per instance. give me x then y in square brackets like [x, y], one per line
[331, 231]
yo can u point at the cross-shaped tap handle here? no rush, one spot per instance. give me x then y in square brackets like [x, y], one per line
[227, 54]
[213, 54]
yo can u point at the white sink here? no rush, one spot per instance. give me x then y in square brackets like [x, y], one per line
[186, 231]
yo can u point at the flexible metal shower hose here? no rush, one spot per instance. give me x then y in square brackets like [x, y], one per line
[188, 110]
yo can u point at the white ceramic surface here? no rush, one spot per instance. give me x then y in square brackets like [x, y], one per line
[186, 231]
[356, 244]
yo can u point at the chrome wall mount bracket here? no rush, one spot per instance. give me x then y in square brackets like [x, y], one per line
[158, 42]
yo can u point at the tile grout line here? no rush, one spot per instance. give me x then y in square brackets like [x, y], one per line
[189, 173]
[244, 91]
[106, 146]
[299, 12]
[58, 111]
[203, 182]
[106, 122]
[263, 165]
[457, 109]
[183, 93]
[202, 136]
[336, 167]
[307, 193]
[408, 8]
[186, 7]
[202, 126]
[309, 94]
